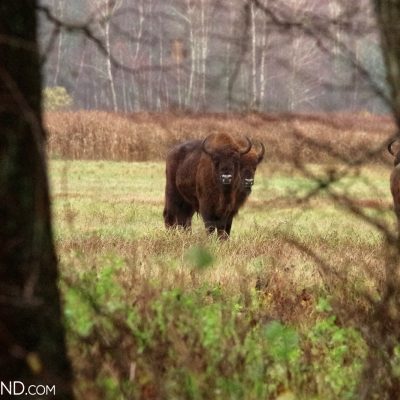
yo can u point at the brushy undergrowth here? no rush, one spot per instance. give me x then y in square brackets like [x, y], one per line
[202, 343]
[97, 135]
[277, 312]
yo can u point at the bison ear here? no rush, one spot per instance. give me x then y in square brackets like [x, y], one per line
[262, 152]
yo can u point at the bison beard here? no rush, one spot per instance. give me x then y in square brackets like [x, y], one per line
[204, 177]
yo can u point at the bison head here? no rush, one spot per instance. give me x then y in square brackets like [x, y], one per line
[225, 157]
[248, 166]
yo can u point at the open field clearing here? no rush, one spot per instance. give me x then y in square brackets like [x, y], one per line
[276, 310]
[125, 200]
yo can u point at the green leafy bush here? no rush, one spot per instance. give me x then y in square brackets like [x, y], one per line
[339, 355]
[199, 343]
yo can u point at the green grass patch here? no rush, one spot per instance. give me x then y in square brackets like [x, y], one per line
[164, 314]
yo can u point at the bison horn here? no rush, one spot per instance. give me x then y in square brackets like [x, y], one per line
[248, 148]
[390, 147]
[262, 152]
[203, 146]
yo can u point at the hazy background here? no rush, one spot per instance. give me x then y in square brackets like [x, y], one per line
[215, 55]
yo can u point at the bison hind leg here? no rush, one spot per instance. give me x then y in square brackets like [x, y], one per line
[169, 219]
[180, 215]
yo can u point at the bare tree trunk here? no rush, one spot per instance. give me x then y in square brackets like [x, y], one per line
[228, 56]
[161, 65]
[179, 78]
[244, 87]
[293, 74]
[192, 53]
[107, 8]
[198, 69]
[263, 67]
[335, 8]
[388, 12]
[204, 50]
[150, 82]
[253, 12]
[380, 380]
[80, 69]
[60, 13]
[109, 66]
[32, 342]
[124, 89]
[138, 34]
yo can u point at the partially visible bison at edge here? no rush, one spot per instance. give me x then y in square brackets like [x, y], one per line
[395, 182]
[212, 177]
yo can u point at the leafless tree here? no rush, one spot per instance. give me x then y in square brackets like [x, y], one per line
[32, 338]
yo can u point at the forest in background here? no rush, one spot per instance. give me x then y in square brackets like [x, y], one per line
[214, 55]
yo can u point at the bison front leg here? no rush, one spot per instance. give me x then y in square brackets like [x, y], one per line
[213, 222]
[224, 230]
[222, 226]
[210, 226]
[223, 234]
[209, 218]
[228, 225]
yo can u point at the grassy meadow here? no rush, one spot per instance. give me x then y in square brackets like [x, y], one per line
[275, 312]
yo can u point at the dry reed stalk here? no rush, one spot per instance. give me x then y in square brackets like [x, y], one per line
[142, 137]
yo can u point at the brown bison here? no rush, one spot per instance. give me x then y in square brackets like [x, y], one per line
[248, 165]
[395, 181]
[204, 177]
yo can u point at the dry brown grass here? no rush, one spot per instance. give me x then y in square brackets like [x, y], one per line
[144, 136]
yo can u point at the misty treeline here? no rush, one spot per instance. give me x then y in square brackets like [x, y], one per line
[214, 55]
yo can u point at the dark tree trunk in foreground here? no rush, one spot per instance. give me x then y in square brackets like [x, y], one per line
[380, 379]
[388, 14]
[32, 342]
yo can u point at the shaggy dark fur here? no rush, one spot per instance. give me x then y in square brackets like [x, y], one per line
[204, 177]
